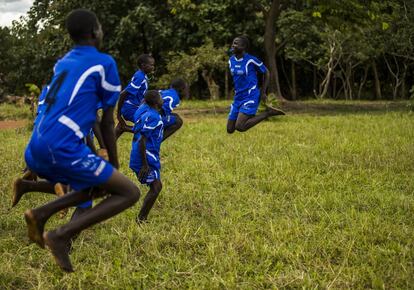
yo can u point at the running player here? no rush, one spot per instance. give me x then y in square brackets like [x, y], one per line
[82, 78]
[145, 153]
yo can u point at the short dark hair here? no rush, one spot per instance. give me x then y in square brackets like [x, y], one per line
[151, 97]
[178, 84]
[245, 41]
[143, 59]
[81, 23]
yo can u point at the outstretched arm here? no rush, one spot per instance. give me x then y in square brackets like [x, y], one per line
[121, 101]
[108, 135]
[98, 133]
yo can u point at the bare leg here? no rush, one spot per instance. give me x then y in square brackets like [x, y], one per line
[173, 128]
[245, 122]
[231, 126]
[150, 198]
[122, 194]
[22, 186]
[119, 130]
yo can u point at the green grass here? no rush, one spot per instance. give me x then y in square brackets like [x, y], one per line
[299, 201]
[13, 112]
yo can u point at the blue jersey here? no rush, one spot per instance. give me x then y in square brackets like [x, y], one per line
[244, 73]
[171, 100]
[83, 80]
[137, 88]
[149, 124]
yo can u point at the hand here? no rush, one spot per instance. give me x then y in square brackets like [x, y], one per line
[103, 153]
[143, 173]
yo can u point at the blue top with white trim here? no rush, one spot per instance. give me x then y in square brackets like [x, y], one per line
[83, 80]
[171, 100]
[147, 122]
[137, 88]
[244, 72]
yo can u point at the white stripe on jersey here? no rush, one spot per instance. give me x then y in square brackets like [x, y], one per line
[152, 155]
[137, 87]
[99, 69]
[71, 125]
[170, 104]
[149, 127]
[252, 61]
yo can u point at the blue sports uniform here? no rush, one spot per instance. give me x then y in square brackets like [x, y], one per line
[56, 151]
[136, 89]
[171, 101]
[149, 124]
[247, 93]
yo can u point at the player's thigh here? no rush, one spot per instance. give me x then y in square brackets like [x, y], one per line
[242, 118]
[119, 184]
[178, 121]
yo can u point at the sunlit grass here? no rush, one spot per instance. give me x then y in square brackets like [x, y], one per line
[299, 201]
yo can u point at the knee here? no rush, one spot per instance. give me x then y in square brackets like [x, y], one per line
[134, 194]
[230, 130]
[157, 187]
[178, 122]
[240, 128]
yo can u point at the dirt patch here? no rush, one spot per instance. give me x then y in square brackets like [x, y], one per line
[12, 124]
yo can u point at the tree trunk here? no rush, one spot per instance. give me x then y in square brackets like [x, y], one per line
[315, 80]
[377, 83]
[363, 80]
[270, 48]
[294, 86]
[226, 85]
[213, 88]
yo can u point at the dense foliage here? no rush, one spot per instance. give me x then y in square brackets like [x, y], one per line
[339, 49]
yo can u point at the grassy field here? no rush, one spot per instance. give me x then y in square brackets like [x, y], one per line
[301, 201]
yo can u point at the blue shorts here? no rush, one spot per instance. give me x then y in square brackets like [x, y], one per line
[169, 120]
[80, 171]
[128, 110]
[153, 175]
[135, 163]
[246, 104]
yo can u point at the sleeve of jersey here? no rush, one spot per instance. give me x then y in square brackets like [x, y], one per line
[149, 125]
[169, 104]
[259, 64]
[134, 85]
[111, 86]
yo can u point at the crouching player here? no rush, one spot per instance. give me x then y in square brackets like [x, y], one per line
[145, 153]
[171, 98]
[82, 78]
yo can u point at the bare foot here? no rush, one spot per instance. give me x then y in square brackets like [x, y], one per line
[60, 250]
[274, 111]
[18, 191]
[34, 228]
